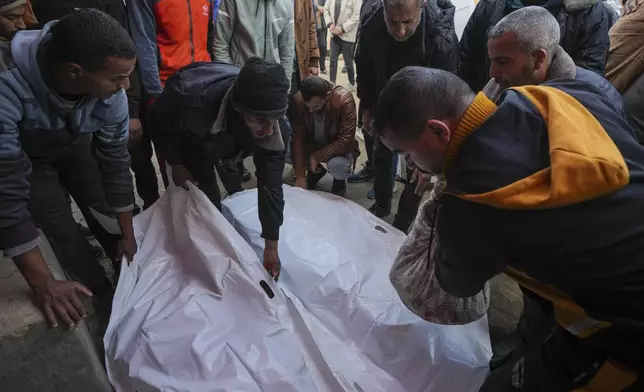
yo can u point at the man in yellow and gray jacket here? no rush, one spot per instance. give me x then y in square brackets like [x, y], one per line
[546, 185]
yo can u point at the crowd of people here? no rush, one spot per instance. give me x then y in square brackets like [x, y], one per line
[531, 124]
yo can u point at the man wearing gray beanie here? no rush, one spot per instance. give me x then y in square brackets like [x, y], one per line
[213, 115]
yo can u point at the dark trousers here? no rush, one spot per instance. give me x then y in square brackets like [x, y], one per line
[147, 185]
[76, 172]
[546, 358]
[346, 48]
[202, 163]
[322, 46]
[383, 172]
[368, 145]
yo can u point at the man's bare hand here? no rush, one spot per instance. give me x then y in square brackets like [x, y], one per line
[631, 6]
[126, 247]
[272, 262]
[422, 180]
[337, 30]
[314, 71]
[135, 130]
[301, 182]
[181, 176]
[59, 301]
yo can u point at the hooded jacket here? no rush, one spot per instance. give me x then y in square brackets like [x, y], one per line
[36, 124]
[378, 56]
[247, 28]
[49, 10]
[584, 35]
[548, 187]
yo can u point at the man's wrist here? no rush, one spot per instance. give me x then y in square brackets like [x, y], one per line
[270, 244]
[34, 268]
[125, 223]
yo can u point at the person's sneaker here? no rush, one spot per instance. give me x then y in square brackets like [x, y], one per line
[380, 210]
[352, 88]
[339, 187]
[344, 69]
[372, 193]
[363, 175]
[324, 71]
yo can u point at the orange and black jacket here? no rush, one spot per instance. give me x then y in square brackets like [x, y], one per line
[169, 34]
[548, 187]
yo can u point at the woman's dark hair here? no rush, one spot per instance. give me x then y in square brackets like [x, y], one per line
[88, 37]
[314, 86]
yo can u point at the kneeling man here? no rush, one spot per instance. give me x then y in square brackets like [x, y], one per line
[324, 131]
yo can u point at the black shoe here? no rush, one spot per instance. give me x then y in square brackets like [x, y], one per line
[380, 210]
[363, 175]
[339, 187]
[312, 178]
[344, 69]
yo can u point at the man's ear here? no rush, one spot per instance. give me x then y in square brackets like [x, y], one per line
[540, 56]
[74, 71]
[440, 129]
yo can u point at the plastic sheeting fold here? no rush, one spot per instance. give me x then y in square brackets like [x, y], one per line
[189, 313]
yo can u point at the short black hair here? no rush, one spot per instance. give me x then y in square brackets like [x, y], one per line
[414, 95]
[314, 86]
[87, 37]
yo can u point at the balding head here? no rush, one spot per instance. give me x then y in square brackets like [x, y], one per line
[418, 111]
[521, 46]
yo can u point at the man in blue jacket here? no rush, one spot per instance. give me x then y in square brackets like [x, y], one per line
[547, 186]
[64, 117]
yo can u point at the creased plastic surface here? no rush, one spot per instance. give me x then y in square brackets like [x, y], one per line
[189, 313]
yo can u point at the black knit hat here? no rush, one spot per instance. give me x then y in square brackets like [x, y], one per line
[261, 89]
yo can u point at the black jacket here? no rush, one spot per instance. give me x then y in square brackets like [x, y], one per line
[195, 110]
[48, 10]
[584, 35]
[379, 56]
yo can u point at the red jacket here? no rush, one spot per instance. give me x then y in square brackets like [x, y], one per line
[169, 34]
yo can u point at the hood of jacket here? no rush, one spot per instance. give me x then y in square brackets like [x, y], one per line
[26, 46]
[584, 161]
[441, 16]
